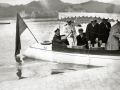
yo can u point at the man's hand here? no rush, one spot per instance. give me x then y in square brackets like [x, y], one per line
[96, 39]
[63, 37]
[63, 40]
[89, 42]
[100, 42]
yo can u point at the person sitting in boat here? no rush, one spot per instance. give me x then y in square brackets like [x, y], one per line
[92, 32]
[81, 39]
[114, 37]
[57, 41]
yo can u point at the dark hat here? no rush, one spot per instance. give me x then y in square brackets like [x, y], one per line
[57, 30]
[93, 20]
[62, 35]
[79, 25]
[80, 29]
[105, 19]
[69, 22]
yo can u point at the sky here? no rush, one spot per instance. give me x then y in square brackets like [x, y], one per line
[14, 2]
[18, 2]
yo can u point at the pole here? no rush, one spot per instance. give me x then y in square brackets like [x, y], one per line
[68, 34]
[32, 34]
[59, 23]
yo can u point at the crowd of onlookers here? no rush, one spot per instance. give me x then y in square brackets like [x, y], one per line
[97, 35]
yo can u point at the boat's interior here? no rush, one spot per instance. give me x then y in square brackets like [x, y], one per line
[81, 49]
[94, 51]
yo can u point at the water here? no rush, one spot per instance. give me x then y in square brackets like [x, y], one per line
[41, 30]
[10, 69]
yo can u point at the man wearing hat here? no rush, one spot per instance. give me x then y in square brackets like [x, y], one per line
[92, 32]
[57, 40]
[81, 39]
[104, 29]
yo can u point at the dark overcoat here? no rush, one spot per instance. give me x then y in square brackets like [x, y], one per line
[57, 42]
[92, 32]
[104, 30]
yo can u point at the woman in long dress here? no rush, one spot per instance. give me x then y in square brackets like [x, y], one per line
[114, 37]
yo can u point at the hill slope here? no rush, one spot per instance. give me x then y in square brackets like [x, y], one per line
[98, 7]
[4, 5]
[51, 7]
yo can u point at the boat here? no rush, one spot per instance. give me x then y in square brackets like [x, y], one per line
[4, 23]
[75, 55]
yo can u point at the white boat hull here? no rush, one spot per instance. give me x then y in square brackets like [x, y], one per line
[44, 52]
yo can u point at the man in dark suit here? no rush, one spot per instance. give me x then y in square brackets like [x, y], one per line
[104, 29]
[92, 32]
[57, 41]
[81, 39]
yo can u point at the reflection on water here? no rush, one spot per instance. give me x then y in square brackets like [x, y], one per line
[19, 68]
[32, 67]
[17, 58]
[19, 74]
[56, 72]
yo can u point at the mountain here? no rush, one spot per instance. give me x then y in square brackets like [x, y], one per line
[51, 7]
[56, 5]
[98, 7]
[4, 5]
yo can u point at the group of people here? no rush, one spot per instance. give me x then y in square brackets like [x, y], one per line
[102, 35]
[98, 33]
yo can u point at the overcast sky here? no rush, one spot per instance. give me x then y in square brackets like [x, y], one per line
[14, 2]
